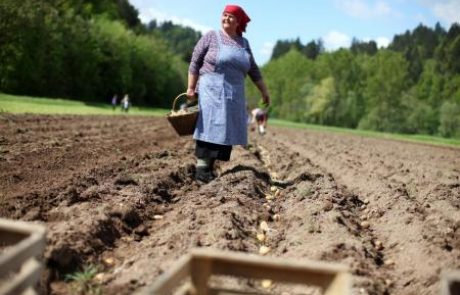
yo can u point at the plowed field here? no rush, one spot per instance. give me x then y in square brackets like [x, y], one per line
[118, 192]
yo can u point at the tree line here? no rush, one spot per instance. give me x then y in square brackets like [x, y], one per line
[86, 50]
[413, 86]
[92, 49]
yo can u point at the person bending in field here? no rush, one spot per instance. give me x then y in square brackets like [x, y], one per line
[260, 117]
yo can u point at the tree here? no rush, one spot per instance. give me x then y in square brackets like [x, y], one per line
[450, 119]
[181, 40]
[387, 81]
[363, 47]
[319, 103]
[28, 29]
[281, 48]
[128, 13]
[61, 48]
[313, 49]
[285, 77]
[418, 46]
[419, 116]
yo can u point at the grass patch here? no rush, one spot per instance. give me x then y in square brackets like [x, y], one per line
[37, 105]
[82, 282]
[435, 140]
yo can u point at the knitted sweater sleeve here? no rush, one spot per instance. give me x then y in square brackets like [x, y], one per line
[199, 53]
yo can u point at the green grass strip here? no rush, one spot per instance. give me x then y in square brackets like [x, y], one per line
[435, 140]
[25, 104]
[35, 105]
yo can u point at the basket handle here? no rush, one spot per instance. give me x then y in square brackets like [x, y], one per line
[175, 100]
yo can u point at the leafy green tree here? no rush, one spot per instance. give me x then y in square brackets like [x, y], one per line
[31, 47]
[419, 116]
[115, 47]
[285, 77]
[128, 13]
[386, 83]
[313, 49]
[363, 47]
[75, 49]
[120, 10]
[310, 50]
[346, 106]
[92, 49]
[282, 47]
[319, 103]
[430, 85]
[450, 119]
[448, 54]
[181, 40]
[141, 66]
[418, 46]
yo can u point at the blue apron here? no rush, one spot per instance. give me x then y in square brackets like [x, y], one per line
[223, 117]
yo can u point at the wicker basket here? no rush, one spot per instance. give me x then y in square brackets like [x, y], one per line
[183, 121]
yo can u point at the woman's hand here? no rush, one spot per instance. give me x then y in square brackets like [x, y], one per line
[190, 93]
[192, 80]
[263, 90]
[266, 99]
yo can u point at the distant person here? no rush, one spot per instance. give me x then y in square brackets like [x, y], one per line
[125, 103]
[260, 117]
[221, 60]
[114, 102]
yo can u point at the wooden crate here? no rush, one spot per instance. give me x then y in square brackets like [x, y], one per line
[450, 283]
[20, 243]
[197, 267]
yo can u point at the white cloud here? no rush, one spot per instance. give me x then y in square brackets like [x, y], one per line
[267, 49]
[151, 13]
[448, 10]
[421, 18]
[364, 10]
[335, 40]
[382, 42]
[381, 8]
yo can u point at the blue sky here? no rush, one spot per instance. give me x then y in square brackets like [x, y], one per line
[336, 22]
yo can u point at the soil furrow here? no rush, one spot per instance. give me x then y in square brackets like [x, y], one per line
[406, 225]
[118, 193]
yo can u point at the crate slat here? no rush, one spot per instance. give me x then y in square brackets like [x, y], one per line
[450, 282]
[19, 268]
[201, 264]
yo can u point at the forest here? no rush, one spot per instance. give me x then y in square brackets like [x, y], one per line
[85, 50]
[90, 50]
[413, 86]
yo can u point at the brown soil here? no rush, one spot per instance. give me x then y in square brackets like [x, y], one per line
[117, 192]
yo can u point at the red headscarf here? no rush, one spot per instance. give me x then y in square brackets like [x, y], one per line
[240, 15]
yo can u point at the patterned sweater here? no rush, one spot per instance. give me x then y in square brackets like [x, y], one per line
[205, 54]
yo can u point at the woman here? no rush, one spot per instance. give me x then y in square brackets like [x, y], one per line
[220, 61]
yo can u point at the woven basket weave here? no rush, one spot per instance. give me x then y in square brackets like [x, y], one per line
[183, 121]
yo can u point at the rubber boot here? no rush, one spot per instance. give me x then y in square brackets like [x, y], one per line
[203, 171]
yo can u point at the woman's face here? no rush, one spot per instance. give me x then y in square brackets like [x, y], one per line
[229, 22]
